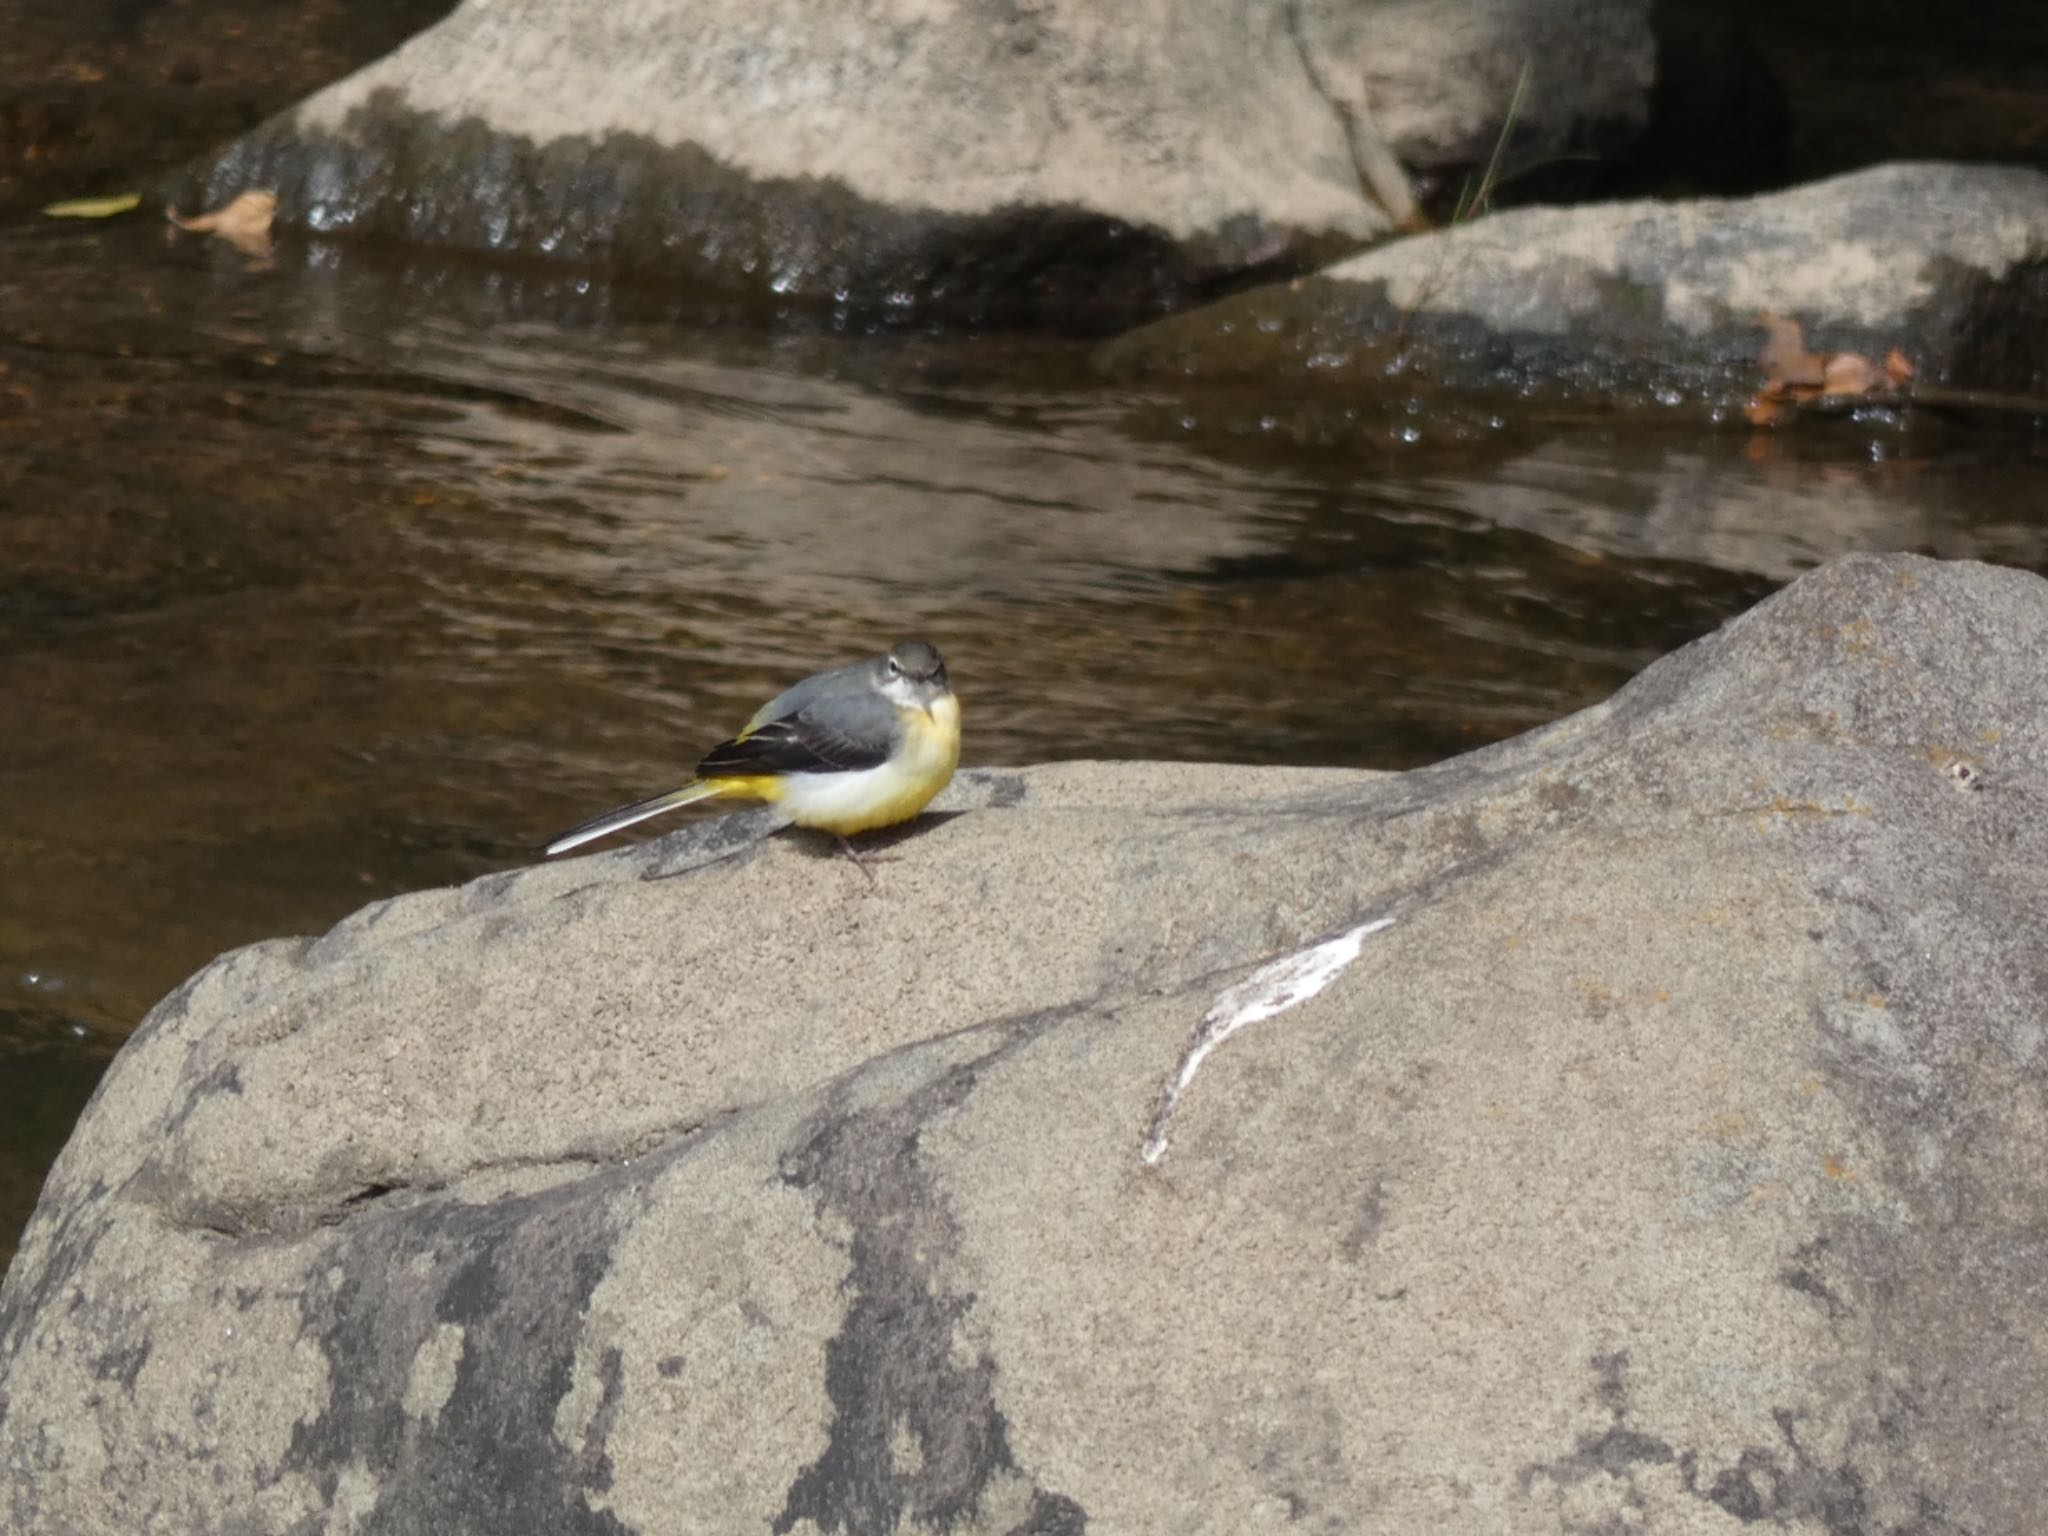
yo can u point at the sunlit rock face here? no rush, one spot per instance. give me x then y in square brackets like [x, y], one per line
[1633, 1124]
[1070, 161]
[1653, 305]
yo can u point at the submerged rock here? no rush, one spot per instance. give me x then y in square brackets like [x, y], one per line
[1062, 159]
[1644, 1130]
[1654, 304]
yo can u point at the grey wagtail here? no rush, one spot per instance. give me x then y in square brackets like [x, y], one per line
[848, 750]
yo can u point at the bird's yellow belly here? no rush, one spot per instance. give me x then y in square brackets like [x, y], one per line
[847, 803]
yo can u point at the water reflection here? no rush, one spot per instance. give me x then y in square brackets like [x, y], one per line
[345, 578]
[1790, 504]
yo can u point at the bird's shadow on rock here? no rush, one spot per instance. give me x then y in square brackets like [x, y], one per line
[875, 847]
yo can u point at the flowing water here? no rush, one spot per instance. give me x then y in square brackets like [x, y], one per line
[343, 576]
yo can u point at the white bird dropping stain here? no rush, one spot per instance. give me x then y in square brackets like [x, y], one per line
[1274, 987]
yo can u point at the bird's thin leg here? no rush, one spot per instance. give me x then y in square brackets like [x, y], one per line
[860, 862]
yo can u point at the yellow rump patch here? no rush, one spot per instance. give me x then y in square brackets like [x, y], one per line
[764, 787]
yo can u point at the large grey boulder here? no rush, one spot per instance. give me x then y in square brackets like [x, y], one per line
[1081, 158]
[1654, 303]
[1671, 1155]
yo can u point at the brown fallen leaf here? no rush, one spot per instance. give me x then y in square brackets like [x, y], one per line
[243, 221]
[1785, 361]
[1849, 373]
[1793, 375]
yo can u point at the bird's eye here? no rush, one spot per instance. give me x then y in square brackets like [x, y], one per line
[895, 668]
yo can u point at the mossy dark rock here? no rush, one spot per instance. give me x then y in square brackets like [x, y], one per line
[1068, 161]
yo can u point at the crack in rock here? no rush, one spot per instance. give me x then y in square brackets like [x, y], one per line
[916, 1441]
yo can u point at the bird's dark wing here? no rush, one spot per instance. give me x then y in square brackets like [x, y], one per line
[827, 736]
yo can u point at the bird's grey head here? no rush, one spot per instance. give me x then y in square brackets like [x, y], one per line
[913, 673]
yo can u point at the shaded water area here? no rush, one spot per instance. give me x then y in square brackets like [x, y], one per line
[355, 574]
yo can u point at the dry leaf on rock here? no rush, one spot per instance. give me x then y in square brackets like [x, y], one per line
[243, 221]
[1850, 373]
[1793, 375]
[1785, 361]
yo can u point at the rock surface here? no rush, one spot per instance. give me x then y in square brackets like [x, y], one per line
[1674, 1161]
[1656, 303]
[1001, 159]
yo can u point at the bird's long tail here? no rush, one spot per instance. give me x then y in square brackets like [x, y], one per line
[627, 815]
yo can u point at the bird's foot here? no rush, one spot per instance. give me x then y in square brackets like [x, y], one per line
[861, 861]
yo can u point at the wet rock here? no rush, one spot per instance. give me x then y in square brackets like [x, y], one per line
[1060, 159]
[97, 95]
[1653, 304]
[1674, 1153]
